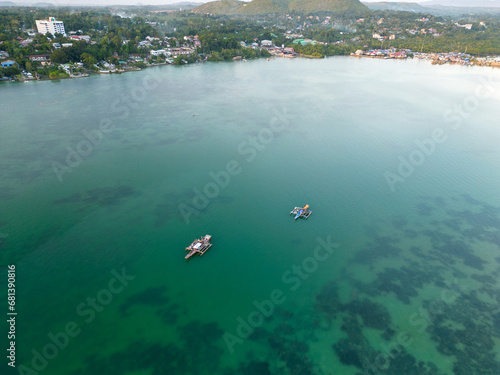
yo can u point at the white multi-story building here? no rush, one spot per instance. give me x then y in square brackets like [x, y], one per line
[50, 26]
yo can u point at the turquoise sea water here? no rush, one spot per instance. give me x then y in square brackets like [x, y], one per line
[410, 287]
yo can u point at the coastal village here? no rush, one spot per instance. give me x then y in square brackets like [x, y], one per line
[435, 58]
[153, 51]
[292, 38]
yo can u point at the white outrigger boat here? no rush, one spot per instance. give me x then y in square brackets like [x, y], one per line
[199, 246]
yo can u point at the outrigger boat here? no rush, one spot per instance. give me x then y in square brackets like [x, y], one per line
[301, 212]
[199, 246]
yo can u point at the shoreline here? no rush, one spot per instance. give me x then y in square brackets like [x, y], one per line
[441, 58]
[433, 61]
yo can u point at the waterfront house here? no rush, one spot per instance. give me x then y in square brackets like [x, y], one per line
[108, 66]
[305, 41]
[66, 67]
[179, 51]
[135, 57]
[398, 55]
[158, 52]
[39, 58]
[9, 63]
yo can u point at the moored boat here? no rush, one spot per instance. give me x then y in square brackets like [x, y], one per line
[199, 246]
[301, 212]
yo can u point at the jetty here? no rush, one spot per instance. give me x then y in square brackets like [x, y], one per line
[199, 246]
[301, 212]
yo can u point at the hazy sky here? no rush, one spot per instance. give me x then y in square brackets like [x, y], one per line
[136, 2]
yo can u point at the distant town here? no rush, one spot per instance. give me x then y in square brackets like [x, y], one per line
[74, 43]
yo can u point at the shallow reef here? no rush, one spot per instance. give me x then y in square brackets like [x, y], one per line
[470, 338]
[105, 196]
[355, 350]
[154, 296]
[446, 244]
[161, 359]
[251, 368]
[435, 267]
[379, 247]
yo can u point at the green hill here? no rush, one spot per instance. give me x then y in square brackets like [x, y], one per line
[266, 7]
[254, 7]
[339, 6]
[220, 7]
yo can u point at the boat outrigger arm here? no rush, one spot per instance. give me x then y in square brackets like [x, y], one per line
[301, 212]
